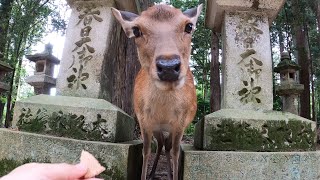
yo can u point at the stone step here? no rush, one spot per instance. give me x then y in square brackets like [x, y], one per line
[73, 117]
[208, 165]
[121, 160]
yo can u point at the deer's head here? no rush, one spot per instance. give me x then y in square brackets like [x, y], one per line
[163, 38]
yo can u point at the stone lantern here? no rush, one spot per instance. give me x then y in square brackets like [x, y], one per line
[43, 80]
[289, 88]
[4, 70]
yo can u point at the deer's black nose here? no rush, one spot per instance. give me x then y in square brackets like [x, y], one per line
[168, 69]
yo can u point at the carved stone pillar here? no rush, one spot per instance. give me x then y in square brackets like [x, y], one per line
[247, 64]
[246, 122]
[88, 35]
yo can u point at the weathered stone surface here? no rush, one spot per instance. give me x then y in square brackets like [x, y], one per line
[247, 63]
[74, 117]
[289, 88]
[40, 80]
[208, 165]
[217, 8]
[230, 129]
[290, 104]
[82, 72]
[122, 160]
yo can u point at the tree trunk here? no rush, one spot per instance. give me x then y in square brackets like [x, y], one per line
[302, 56]
[5, 10]
[144, 4]
[215, 98]
[281, 41]
[122, 66]
[8, 113]
[318, 16]
[310, 59]
[2, 105]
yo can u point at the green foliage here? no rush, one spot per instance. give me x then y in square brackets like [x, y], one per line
[203, 106]
[190, 130]
[277, 103]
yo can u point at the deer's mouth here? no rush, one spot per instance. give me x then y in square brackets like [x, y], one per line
[170, 85]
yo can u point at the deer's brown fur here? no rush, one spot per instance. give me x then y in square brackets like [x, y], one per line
[163, 108]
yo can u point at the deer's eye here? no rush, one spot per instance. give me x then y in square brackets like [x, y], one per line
[136, 31]
[188, 28]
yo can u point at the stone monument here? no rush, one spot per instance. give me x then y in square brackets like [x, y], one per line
[82, 73]
[43, 80]
[57, 128]
[289, 89]
[246, 139]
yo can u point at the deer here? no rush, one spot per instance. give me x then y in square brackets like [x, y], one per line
[164, 95]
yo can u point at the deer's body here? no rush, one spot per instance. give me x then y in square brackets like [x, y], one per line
[164, 91]
[164, 106]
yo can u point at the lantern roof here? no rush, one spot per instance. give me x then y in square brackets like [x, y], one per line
[45, 55]
[286, 63]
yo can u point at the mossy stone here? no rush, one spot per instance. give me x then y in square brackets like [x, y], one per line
[73, 117]
[245, 130]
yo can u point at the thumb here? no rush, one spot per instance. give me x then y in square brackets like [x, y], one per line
[65, 171]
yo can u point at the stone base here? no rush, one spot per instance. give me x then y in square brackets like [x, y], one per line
[73, 117]
[248, 130]
[205, 165]
[121, 160]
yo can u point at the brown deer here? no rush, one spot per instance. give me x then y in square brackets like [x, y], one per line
[165, 99]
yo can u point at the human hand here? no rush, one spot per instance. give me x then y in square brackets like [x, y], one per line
[43, 171]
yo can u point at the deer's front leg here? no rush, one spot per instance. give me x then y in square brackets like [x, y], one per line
[176, 139]
[160, 141]
[147, 138]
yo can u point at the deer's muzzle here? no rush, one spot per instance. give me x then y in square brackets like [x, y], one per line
[168, 69]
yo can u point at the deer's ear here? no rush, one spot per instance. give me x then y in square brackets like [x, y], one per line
[126, 19]
[193, 13]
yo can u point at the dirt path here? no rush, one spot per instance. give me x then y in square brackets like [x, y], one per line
[161, 172]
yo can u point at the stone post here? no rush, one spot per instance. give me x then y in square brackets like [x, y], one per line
[88, 35]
